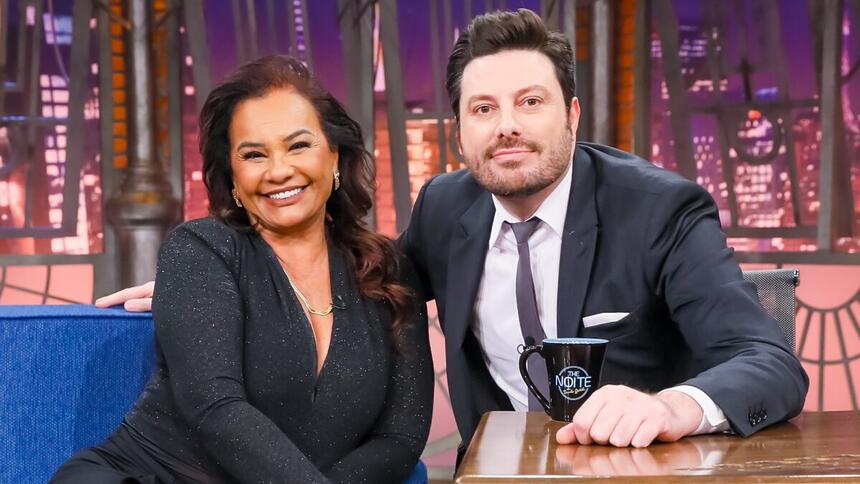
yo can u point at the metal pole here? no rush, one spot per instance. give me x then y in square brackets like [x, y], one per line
[437, 83]
[291, 28]
[239, 32]
[175, 165]
[668, 32]
[196, 28]
[144, 208]
[271, 31]
[602, 98]
[105, 266]
[714, 51]
[642, 81]
[834, 178]
[777, 61]
[251, 29]
[80, 12]
[569, 29]
[549, 10]
[388, 35]
[4, 13]
[356, 28]
[306, 34]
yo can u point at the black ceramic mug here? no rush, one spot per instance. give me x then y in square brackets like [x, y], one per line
[573, 367]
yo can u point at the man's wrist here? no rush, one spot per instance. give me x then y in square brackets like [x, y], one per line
[713, 419]
[687, 410]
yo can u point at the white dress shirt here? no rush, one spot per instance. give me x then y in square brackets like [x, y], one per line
[496, 323]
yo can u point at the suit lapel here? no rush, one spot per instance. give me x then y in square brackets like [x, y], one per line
[577, 246]
[469, 243]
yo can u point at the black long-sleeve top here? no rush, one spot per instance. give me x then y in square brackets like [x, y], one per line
[236, 393]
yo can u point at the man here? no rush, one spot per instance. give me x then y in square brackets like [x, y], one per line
[545, 237]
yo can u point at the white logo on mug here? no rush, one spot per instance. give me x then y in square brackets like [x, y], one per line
[573, 382]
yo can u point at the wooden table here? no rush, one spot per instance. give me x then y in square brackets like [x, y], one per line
[520, 447]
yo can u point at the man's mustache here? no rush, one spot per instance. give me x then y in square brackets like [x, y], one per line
[511, 143]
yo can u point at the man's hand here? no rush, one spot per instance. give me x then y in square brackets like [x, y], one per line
[135, 299]
[621, 416]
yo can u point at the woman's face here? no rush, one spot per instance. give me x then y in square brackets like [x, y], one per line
[283, 166]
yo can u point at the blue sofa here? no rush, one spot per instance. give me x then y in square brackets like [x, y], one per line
[68, 374]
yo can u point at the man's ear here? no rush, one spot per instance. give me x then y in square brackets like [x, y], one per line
[457, 136]
[573, 115]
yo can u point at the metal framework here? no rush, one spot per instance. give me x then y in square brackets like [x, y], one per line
[28, 125]
[836, 213]
[23, 128]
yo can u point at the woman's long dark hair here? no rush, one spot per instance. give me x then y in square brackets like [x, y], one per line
[374, 259]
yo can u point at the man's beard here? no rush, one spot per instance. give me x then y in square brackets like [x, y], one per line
[553, 161]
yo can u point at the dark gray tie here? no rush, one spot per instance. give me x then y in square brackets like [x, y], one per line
[527, 306]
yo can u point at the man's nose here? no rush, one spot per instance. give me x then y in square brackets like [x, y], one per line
[509, 125]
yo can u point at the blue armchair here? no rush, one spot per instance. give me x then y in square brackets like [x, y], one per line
[68, 374]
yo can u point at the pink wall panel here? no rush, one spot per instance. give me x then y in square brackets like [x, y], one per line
[74, 282]
[41, 284]
[32, 278]
[17, 296]
[827, 286]
[828, 334]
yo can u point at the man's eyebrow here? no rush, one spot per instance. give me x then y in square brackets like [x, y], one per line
[479, 97]
[533, 87]
[520, 92]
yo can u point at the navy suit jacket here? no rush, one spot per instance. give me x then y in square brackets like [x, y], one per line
[637, 239]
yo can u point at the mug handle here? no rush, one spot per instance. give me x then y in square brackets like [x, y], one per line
[524, 371]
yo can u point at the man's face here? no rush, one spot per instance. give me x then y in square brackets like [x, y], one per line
[515, 133]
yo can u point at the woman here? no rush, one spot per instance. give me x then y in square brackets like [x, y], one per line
[290, 347]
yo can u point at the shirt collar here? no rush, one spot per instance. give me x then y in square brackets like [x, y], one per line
[552, 211]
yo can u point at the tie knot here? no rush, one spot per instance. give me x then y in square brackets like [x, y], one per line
[524, 230]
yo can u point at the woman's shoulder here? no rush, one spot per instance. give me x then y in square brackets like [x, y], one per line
[408, 276]
[205, 233]
[208, 227]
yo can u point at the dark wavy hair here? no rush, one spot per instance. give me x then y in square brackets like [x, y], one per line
[374, 259]
[494, 32]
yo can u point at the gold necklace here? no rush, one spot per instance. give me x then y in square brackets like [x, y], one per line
[302, 298]
[307, 303]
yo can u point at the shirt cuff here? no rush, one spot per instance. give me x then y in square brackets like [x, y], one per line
[713, 418]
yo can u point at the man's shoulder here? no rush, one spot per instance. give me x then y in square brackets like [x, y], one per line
[620, 171]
